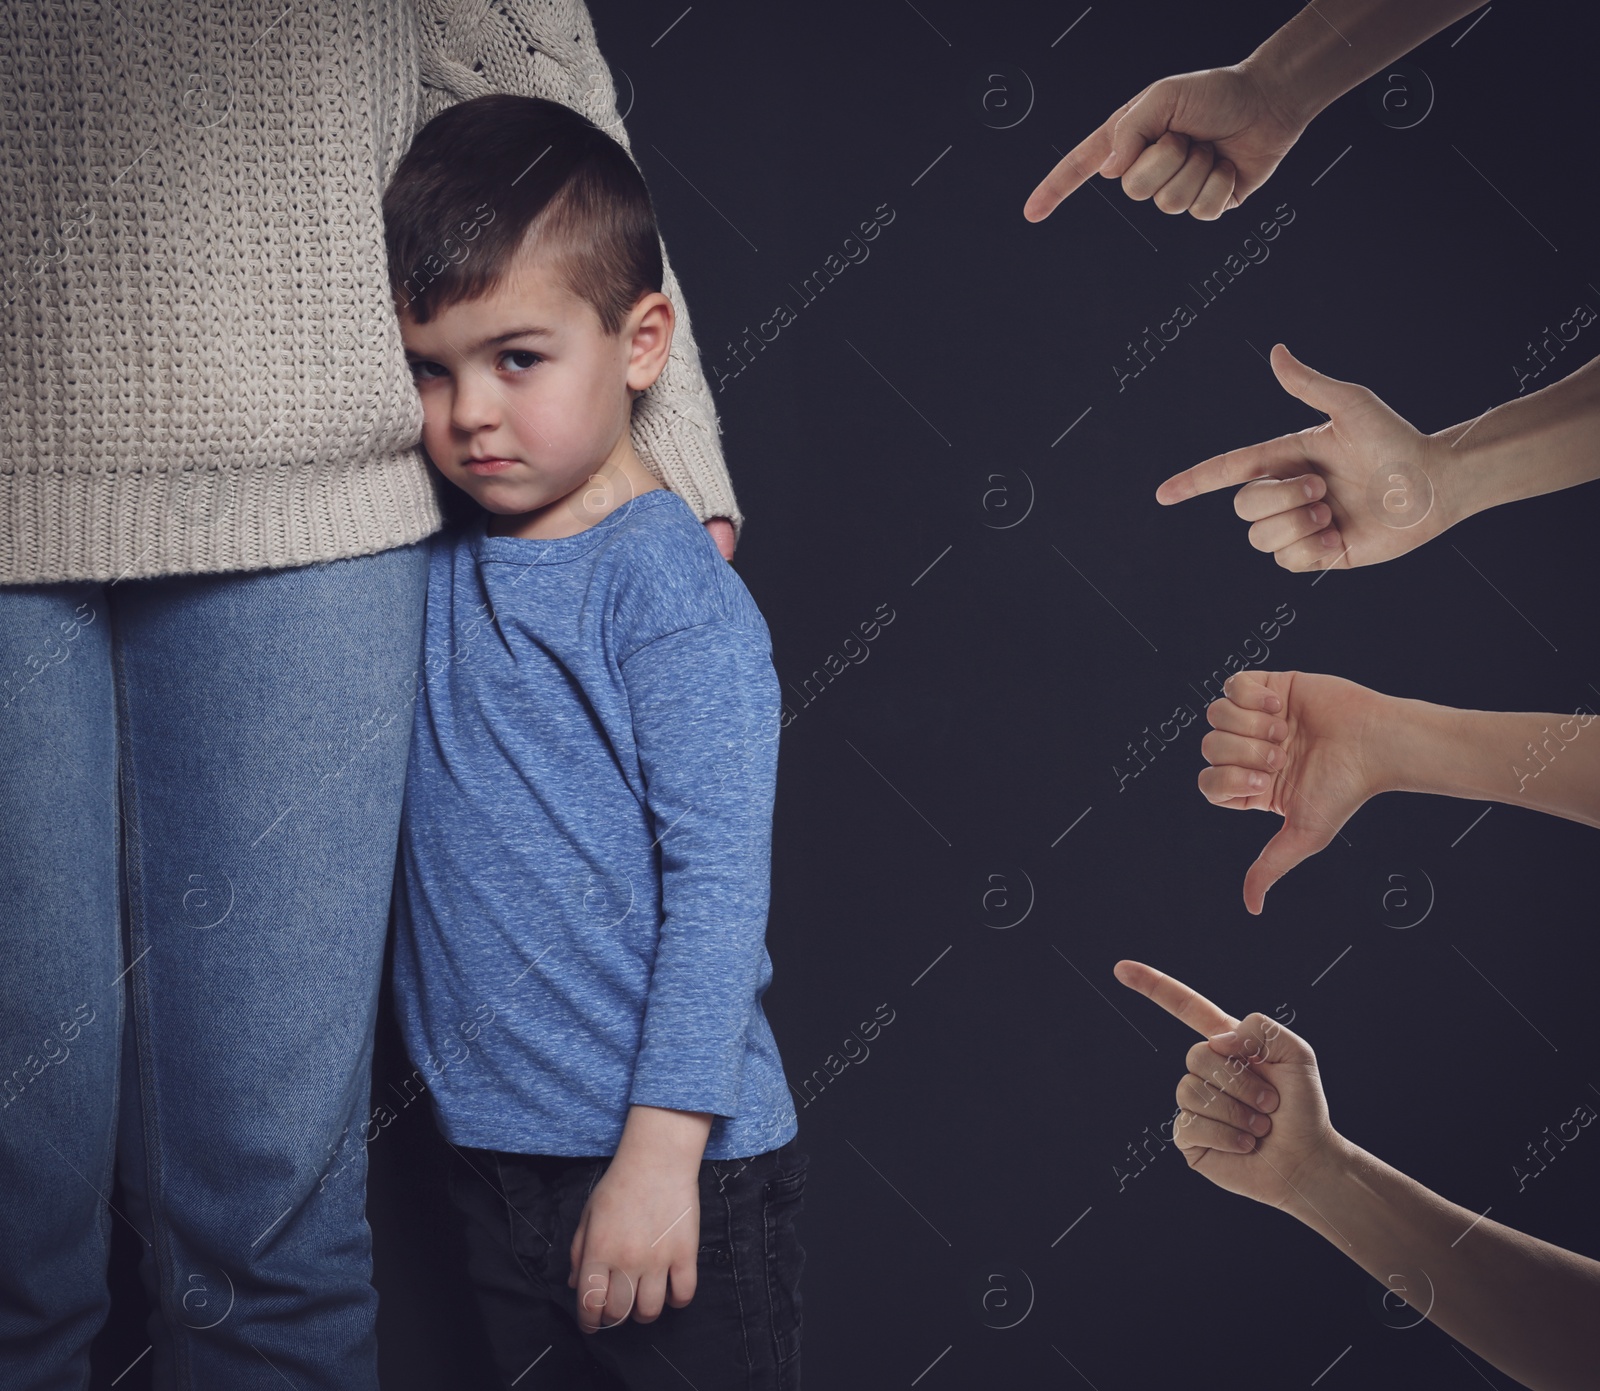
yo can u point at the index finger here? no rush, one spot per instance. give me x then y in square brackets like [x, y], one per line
[593, 1286]
[1183, 1004]
[1072, 171]
[1284, 457]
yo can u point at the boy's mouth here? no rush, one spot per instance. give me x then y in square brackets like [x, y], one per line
[486, 466]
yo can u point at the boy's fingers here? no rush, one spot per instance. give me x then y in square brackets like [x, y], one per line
[593, 1288]
[1255, 724]
[1284, 457]
[1234, 787]
[683, 1280]
[1267, 497]
[1186, 1005]
[652, 1295]
[621, 1294]
[1278, 533]
[1221, 749]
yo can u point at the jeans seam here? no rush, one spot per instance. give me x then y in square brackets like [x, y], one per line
[738, 1283]
[103, 1223]
[772, 1304]
[511, 1225]
[160, 1236]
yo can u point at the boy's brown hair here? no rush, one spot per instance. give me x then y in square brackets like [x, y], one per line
[482, 175]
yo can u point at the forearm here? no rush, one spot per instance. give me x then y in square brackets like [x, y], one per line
[1532, 444]
[1520, 1303]
[1332, 45]
[1548, 763]
[706, 723]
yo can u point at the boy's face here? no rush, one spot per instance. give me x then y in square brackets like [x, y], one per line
[527, 378]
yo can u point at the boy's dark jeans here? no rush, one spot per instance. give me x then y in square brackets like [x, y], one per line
[740, 1332]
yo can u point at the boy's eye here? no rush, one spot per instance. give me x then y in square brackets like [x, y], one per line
[532, 358]
[422, 370]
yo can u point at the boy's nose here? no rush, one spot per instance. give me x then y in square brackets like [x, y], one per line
[477, 401]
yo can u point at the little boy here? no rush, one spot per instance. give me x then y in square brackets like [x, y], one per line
[585, 847]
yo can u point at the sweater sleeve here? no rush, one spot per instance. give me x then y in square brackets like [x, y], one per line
[705, 703]
[547, 48]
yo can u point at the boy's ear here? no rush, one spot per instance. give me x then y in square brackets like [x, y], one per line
[649, 335]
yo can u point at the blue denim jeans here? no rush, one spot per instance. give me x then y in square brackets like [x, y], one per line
[740, 1332]
[200, 790]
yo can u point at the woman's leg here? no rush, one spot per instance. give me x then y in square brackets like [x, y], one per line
[264, 721]
[60, 992]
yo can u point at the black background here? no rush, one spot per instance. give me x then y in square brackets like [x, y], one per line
[885, 449]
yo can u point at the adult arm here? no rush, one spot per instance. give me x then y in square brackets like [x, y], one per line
[1254, 1120]
[1366, 486]
[547, 48]
[1538, 443]
[1314, 749]
[1545, 762]
[1202, 142]
[1332, 45]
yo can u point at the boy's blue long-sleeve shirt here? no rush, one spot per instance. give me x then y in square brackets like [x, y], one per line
[586, 839]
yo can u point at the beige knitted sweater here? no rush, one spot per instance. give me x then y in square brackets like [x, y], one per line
[202, 367]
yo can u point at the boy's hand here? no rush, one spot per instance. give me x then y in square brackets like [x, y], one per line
[1200, 142]
[638, 1238]
[1361, 488]
[1254, 1119]
[1301, 745]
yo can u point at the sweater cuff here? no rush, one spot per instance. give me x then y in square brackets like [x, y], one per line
[685, 456]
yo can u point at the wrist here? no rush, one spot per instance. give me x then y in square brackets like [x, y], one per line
[1532, 444]
[1443, 751]
[1421, 747]
[1460, 474]
[1289, 69]
[1388, 743]
[663, 1139]
[1317, 1193]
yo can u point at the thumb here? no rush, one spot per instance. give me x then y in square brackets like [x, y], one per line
[1146, 120]
[1261, 1040]
[1307, 384]
[1293, 843]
